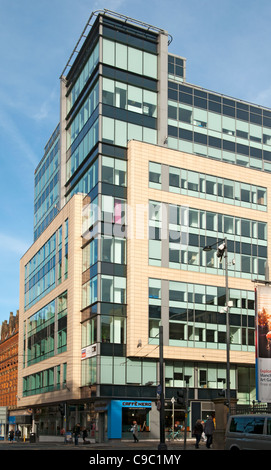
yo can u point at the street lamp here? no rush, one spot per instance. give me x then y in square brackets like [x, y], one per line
[162, 445]
[222, 251]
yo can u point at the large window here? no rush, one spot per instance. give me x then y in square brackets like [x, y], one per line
[90, 254]
[197, 315]
[83, 77]
[43, 326]
[89, 292]
[44, 381]
[114, 171]
[119, 132]
[186, 231]
[113, 250]
[83, 148]
[129, 58]
[192, 183]
[43, 271]
[215, 126]
[89, 332]
[113, 289]
[83, 115]
[113, 329]
[125, 96]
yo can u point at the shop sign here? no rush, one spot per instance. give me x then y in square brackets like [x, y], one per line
[136, 404]
[89, 351]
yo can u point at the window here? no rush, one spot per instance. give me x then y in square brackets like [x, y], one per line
[90, 254]
[113, 210]
[129, 58]
[89, 292]
[113, 250]
[174, 179]
[185, 114]
[113, 329]
[176, 331]
[155, 211]
[155, 175]
[113, 289]
[155, 252]
[248, 425]
[154, 288]
[89, 332]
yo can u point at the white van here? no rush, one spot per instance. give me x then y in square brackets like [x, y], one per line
[248, 432]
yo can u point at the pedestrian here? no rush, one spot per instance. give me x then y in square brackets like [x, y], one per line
[208, 430]
[11, 435]
[197, 432]
[134, 430]
[85, 435]
[76, 432]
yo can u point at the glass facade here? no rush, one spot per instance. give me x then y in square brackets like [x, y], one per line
[47, 380]
[212, 125]
[44, 271]
[212, 188]
[47, 331]
[190, 230]
[197, 318]
[47, 189]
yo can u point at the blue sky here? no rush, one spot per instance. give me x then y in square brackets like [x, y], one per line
[226, 43]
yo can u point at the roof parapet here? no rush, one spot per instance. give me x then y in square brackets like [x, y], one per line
[121, 17]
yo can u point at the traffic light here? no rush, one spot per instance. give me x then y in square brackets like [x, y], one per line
[181, 397]
[61, 409]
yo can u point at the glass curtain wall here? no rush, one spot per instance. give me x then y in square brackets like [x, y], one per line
[215, 126]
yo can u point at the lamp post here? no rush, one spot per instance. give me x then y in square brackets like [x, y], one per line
[162, 445]
[222, 251]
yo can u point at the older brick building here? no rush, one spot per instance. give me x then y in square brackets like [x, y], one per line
[9, 361]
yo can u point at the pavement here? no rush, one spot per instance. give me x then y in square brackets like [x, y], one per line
[112, 445]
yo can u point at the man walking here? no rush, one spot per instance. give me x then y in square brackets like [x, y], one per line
[208, 430]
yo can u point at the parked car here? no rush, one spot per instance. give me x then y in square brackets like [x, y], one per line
[248, 432]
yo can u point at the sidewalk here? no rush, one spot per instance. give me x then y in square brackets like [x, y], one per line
[104, 446]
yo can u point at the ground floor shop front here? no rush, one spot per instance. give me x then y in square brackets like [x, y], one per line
[105, 419]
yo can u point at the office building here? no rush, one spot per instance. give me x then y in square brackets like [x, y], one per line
[143, 171]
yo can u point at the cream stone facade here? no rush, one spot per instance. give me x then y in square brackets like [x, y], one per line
[73, 212]
[138, 269]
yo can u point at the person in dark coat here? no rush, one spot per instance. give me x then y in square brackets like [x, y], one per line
[208, 431]
[76, 432]
[198, 430]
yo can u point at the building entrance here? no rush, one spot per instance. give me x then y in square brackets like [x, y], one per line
[140, 415]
